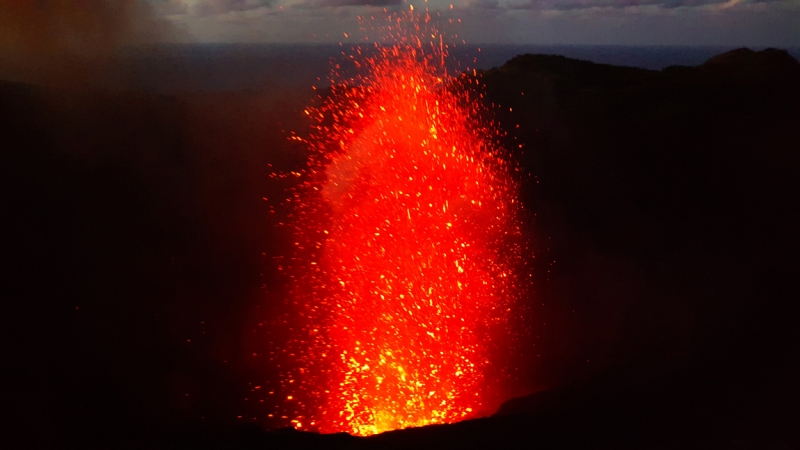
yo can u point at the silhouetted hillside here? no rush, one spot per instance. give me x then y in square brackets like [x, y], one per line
[770, 66]
[133, 226]
[669, 203]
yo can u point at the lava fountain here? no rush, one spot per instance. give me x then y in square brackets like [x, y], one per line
[408, 248]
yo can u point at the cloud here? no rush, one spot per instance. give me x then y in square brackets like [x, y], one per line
[319, 4]
[577, 5]
[486, 4]
[362, 2]
[602, 22]
[170, 7]
[217, 7]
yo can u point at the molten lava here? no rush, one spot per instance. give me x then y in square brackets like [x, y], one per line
[408, 246]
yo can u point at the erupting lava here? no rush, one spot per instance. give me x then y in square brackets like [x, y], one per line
[408, 246]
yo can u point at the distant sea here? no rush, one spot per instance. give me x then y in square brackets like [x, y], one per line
[237, 67]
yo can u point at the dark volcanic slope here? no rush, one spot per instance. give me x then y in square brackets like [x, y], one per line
[666, 226]
[133, 228]
[685, 176]
[671, 202]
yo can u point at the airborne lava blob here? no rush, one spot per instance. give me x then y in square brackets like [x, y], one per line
[408, 246]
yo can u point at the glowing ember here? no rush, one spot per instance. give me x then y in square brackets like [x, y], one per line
[408, 238]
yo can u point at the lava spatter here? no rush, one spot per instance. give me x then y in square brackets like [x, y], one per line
[408, 244]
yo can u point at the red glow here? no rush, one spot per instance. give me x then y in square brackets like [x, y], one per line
[408, 244]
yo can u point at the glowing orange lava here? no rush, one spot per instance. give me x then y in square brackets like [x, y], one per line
[408, 240]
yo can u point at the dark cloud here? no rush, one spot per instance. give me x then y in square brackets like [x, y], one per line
[486, 4]
[362, 2]
[689, 3]
[573, 5]
[337, 3]
[318, 4]
[214, 7]
[170, 7]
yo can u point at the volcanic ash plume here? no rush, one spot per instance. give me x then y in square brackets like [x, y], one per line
[408, 250]
[72, 43]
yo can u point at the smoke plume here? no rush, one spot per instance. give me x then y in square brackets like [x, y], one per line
[72, 42]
